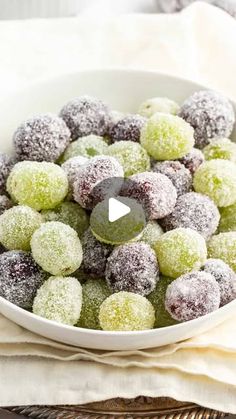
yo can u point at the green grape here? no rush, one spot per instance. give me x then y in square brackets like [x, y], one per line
[56, 248]
[228, 219]
[167, 137]
[59, 299]
[17, 226]
[223, 246]
[132, 157]
[157, 298]
[126, 311]
[124, 229]
[89, 146]
[69, 213]
[220, 148]
[217, 179]
[180, 251]
[151, 233]
[39, 185]
[95, 291]
[158, 104]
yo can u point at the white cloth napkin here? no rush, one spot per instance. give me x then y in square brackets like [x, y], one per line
[197, 44]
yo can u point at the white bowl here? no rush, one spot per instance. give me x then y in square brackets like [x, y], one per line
[123, 90]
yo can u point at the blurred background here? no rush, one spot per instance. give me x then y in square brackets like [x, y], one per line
[23, 9]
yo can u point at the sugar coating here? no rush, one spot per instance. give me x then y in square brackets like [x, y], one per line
[154, 191]
[127, 129]
[6, 165]
[89, 146]
[17, 226]
[42, 138]
[124, 229]
[157, 298]
[86, 115]
[177, 173]
[225, 277]
[39, 185]
[210, 114]
[59, 299]
[228, 219]
[193, 160]
[158, 104]
[56, 248]
[192, 295]
[132, 157]
[223, 246]
[220, 148]
[20, 277]
[217, 179]
[95, 291]
[95, 181]
[95, 255]
[126, 311]
[71, 168]
[151, 233]
[5, 203]
[180, 251]
[195, 211]
[167, 137]
[69, 213]
[132, 267]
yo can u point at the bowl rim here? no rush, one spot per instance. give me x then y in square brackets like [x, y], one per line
[93, 332]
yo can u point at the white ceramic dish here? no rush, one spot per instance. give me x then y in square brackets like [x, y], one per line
[123, 90]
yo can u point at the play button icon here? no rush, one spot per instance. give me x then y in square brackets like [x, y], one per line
[117, 210]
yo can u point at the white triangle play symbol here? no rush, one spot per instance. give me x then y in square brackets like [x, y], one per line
[117, 210]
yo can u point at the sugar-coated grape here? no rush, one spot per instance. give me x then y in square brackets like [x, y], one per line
[220, 148]
[71, 168]
[217, 179]
[56, 248]
[126, 311]
[177, 173]
[86, 115]
[69, 213]
[210, 114]
[38, 185]
[17, 226]
[132, 267]
[96, 180]
[6, 165]
[127, 128]
[225, 277]
[5, 203]
[193, 160]
[95, 255]
[20, 277]
[157, 298]
[223, 246]
[154, 191]
[192, 295]
[42, 138]
[89, 146]
[180, 251]
[122, 230]
[95, 291]
[228, 219]
[151, 233]
[59, 299]
[196, 211]
[132, 157]
[167, 137]
[158, 104]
